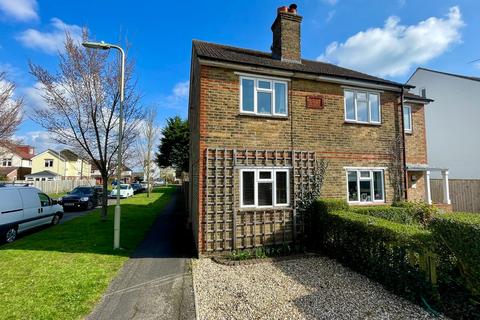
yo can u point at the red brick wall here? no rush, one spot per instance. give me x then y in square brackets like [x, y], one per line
[416, 142]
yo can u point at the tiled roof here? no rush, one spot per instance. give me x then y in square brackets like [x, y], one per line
[22, 151]
[224, 53]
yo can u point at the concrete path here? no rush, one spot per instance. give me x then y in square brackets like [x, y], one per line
[156, 283]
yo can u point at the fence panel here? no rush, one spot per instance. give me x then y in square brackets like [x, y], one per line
[464, 194]
[56, 186]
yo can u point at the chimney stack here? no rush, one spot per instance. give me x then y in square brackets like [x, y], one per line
[286, 35]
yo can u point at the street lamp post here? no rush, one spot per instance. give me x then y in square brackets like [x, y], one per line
[107, 46]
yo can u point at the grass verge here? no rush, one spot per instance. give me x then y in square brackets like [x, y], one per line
[61, 272]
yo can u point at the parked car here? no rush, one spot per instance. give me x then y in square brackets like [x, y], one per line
[85, 198]
[137, 188]
[159, 183]
[23, 208]
[126, 191]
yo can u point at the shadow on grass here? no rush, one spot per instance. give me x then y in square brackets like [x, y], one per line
[88, 234]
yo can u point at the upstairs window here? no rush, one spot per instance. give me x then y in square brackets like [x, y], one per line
[263, 96]
[6, 162]
[407, 118]
[362, 106]
[48, 163]
[264, 188]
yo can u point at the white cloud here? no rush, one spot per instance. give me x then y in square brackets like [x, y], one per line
[40, 140]
[178, 99]
[395, 48]
[22, 10]
[51, 41]
[33, 98]
[477, 65]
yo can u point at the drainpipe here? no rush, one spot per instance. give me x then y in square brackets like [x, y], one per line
[405, 182]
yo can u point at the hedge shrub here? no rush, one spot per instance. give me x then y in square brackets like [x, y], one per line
[458, 239]
[324, 206]
[394, 214]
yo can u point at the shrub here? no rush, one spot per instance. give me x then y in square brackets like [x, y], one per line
[324, 206]
[394, 214]
[383, 250]
[421, 212]
[458, 238]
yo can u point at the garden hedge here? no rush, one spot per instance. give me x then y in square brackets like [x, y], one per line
[423, 259]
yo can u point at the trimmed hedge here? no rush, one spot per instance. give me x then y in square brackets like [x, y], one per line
[458, 238]
[394, 214]
[383, 250]
[438, 262]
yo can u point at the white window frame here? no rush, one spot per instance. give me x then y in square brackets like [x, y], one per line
[257, 180]
[256, 90]
[372, 187]
[410, 118]
[6, 162]
[367, 93]
[50, 161]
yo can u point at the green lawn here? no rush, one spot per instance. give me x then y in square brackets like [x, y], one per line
[62, 271]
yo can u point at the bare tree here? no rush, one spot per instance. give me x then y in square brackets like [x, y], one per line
[83, 106]
[149, 133]
[10, 111]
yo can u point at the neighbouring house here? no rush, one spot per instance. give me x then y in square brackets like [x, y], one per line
[451, 120]
[64, 165]
[259, 123]
[127, 174]
[16, 161]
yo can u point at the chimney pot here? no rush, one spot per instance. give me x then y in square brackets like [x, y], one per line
[282, 9]
[292, 8]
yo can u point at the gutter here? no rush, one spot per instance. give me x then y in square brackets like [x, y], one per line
[405, 179]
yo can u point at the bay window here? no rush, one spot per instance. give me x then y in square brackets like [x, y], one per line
[263, 96]
[365, 185]
[264, 187]
[362, 106]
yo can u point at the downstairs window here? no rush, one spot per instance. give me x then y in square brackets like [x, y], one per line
[365, 185]
[260, 188]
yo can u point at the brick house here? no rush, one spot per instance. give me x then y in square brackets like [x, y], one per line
[259, 121]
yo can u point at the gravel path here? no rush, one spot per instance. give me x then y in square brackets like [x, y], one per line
[306, 288]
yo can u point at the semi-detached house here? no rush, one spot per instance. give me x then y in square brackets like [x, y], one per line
[260, 120]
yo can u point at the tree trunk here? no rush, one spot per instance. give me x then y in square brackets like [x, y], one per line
[103, 212]
[148, 173]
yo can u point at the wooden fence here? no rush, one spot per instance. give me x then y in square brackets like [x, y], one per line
[464, 194]
[56, 186]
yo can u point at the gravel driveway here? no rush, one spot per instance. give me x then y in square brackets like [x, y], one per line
[305, 288]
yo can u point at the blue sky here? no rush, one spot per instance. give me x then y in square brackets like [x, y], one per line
[385, 38]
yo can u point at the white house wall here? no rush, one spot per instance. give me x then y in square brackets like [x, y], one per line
[452, 122]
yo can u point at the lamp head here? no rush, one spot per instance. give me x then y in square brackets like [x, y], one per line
[96, 45]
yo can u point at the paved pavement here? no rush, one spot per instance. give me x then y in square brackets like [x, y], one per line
[156, 283]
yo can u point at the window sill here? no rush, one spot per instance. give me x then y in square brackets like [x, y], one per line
[263, 116]
[363, 123]
[265, 208]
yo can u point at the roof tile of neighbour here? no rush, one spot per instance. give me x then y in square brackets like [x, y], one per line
[23, 151]
[224, 53]
[4, 171]
[69, 155]
[448, 74]
[413, 96]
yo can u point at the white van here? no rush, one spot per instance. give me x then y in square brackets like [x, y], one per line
[23, 208]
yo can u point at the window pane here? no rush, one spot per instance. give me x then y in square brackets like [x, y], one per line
[365, 174]
[248, 188]
[378, 185]
[352, 186]
[247, 95]
[349, 105]
[362, 111]
[264, 102]
[281, 184]
[407, 117]
[264, 84]
[265, 194]
[265, 175]
[280, 103]
[374, 107]
[365, 191]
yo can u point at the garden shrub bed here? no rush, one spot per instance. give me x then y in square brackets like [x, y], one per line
[428, 258]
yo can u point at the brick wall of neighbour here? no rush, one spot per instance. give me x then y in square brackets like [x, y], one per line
[416, 142]
[323, 131]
